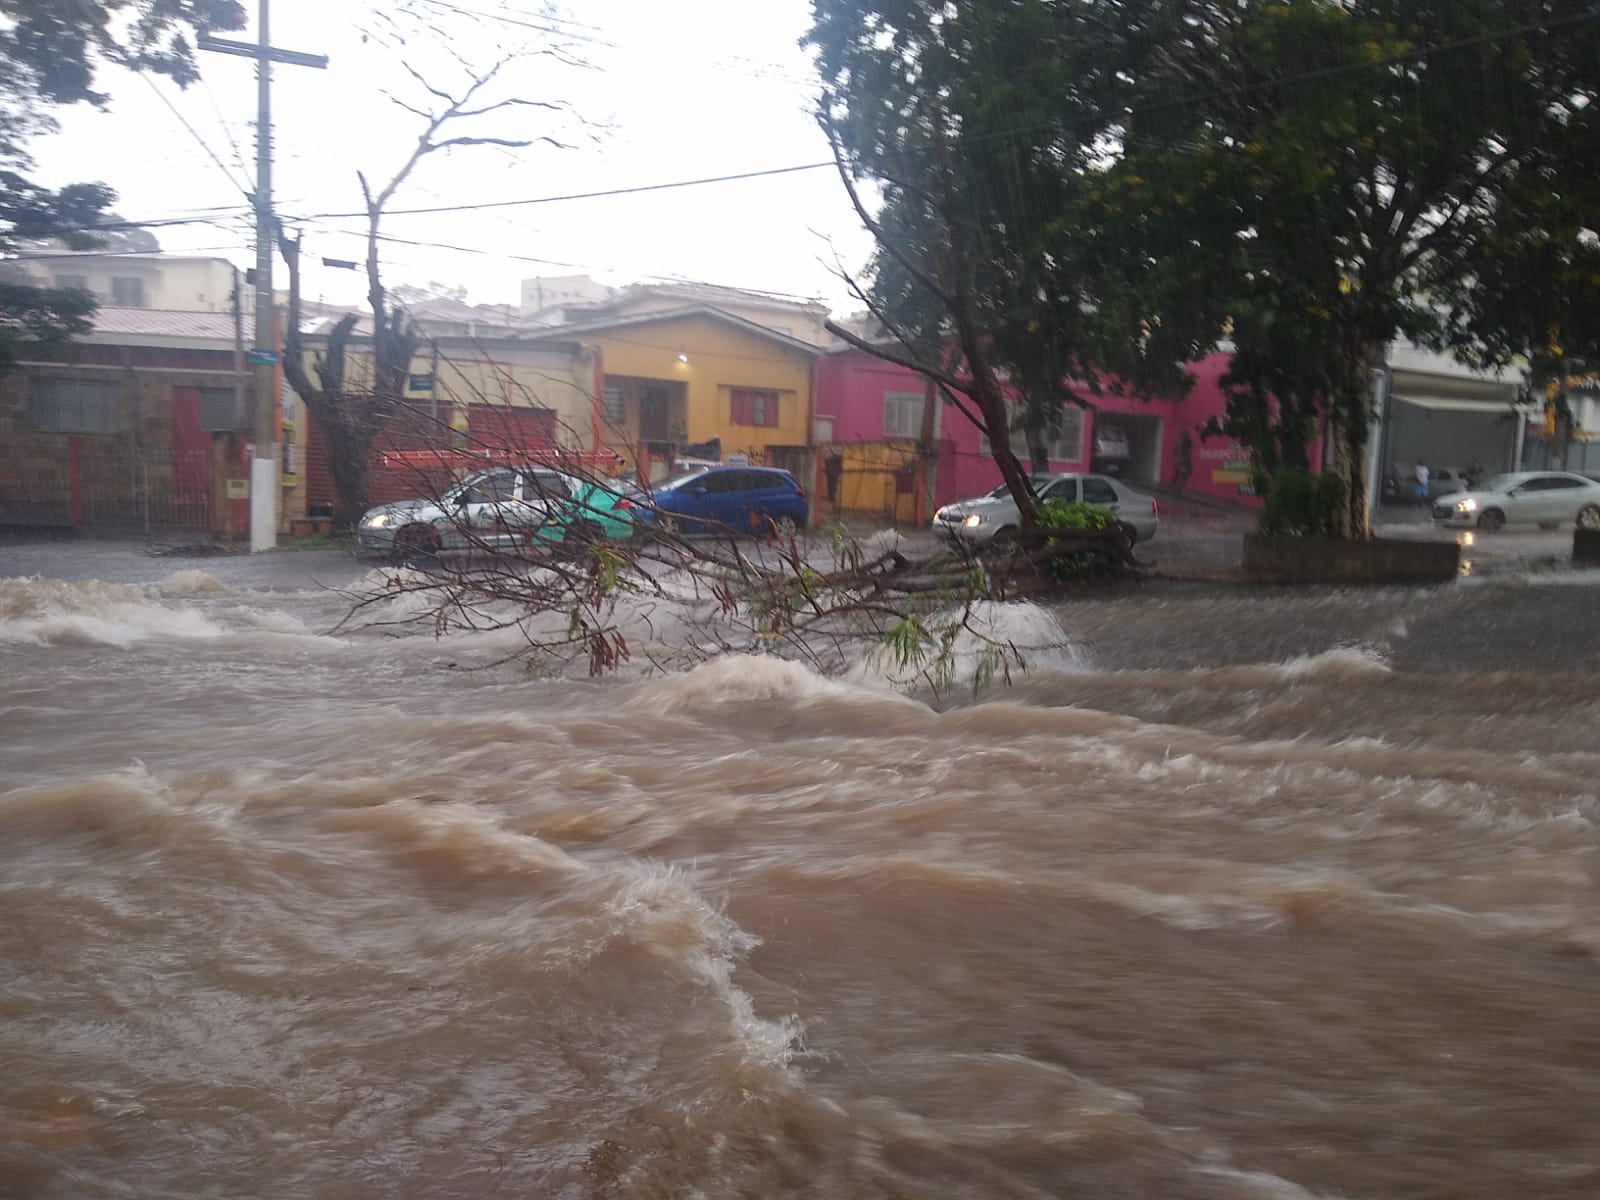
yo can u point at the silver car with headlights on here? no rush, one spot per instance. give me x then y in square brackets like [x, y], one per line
[993, 519]
[1545, 498]
[494, 509]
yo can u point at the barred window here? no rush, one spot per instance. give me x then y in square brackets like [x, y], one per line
[220, 410]
[613, 409]
[76, 406]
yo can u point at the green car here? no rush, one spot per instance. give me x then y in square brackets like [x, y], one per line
[596, 512]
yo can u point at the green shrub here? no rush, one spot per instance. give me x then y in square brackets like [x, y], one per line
[1076, 518]
[1302, 504]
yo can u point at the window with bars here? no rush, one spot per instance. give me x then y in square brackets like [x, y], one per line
[75, 406]
[902, 414]
[753, 406]
[1066, 446]
[613, 408]
[220, 410]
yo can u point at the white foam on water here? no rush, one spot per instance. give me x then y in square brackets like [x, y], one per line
[50, 612]
[734, 679]
[190, 582]
[991, 637]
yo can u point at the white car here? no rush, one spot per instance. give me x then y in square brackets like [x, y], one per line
[1544, 498]
[494, 509]
[994, 518]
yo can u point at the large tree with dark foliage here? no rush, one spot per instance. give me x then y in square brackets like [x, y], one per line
[1380, 162]
[50, 54]
[1080, 184]
[985, 128]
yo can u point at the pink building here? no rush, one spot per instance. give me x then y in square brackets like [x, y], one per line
[862, 400]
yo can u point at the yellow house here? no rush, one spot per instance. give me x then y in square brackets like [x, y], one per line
[698, 382]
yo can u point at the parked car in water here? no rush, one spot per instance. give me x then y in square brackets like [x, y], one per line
[750, 500]
[1111, 452]
[598, 511]
[994, 518]
[1545, 498]
[1442, 481]
[493, 509]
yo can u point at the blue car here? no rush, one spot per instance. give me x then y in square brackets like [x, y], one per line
[748, 500]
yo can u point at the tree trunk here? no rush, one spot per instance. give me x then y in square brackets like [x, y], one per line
[1350, 419]
[1038, 440]
[346, 426]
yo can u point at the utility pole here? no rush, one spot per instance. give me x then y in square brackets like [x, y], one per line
[264, 354]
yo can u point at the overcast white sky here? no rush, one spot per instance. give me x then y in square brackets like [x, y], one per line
[699, 88]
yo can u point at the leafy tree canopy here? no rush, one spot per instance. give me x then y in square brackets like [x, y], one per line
[50, 54]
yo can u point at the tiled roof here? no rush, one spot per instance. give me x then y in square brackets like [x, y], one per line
[154, 322]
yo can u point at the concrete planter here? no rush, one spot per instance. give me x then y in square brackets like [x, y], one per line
[1278, 558]
[1586, 547]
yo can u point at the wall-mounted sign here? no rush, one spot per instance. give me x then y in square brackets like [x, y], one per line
[261, 357]
[419, 383]
[238, 489]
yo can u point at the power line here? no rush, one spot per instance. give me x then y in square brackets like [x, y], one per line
[624, 191]
[227, 130]
[510, 20]
[204, 145]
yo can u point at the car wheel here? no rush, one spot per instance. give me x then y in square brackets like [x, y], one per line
[1589, 516]
[786, 528]
[1127, 531]
[416, 543]
[1491, 519]
[669, 526]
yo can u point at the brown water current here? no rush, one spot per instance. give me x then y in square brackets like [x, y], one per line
[291, 914]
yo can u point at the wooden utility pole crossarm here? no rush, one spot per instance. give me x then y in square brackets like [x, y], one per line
[264, 353]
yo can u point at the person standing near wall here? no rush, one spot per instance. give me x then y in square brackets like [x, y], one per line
[1422, 482]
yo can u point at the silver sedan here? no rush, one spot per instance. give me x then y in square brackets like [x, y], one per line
[1545, 498]
[994, 518]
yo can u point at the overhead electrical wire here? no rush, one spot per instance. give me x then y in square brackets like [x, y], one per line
[203, 144]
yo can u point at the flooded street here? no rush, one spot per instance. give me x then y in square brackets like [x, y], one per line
[1235, 894]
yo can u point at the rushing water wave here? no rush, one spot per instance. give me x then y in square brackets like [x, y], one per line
[301, 908]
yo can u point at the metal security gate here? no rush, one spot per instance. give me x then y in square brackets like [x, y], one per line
[97, 484]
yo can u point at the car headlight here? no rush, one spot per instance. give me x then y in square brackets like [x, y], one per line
[972, 520]
[375, 520]
[1466, 506]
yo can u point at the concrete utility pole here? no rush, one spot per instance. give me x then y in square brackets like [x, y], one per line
[264, 354]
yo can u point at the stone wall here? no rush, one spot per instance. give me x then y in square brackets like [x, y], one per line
[1280, 559]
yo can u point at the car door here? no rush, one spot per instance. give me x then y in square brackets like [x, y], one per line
[1566, 495]
[1530, 501]
[764, 496]
[489, 509]
[1099, 492]
[1064, 490]
[704, 501]
[540, 495]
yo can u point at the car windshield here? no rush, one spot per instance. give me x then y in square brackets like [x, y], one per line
[1497, 483]
[1037, 483]
[678, 480]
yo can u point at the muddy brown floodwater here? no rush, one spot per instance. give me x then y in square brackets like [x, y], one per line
[1232, 896]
